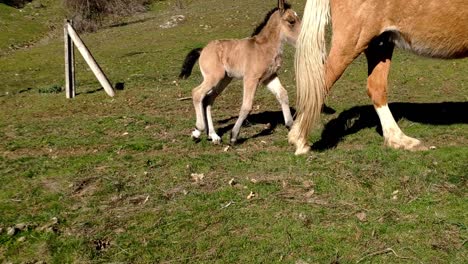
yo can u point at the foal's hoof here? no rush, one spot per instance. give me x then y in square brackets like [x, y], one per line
[233, 142]
[196, 135]
[215, 139]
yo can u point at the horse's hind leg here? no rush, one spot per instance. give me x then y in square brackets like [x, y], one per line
[282, 96]
[250, 86]
[379, 55]
[208, 103]
[345, 48]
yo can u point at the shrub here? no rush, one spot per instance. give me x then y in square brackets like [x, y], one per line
[16, 3]
[89, 14]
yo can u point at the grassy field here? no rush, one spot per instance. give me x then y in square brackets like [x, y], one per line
[98, 179]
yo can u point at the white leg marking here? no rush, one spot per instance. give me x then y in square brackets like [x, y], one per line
[393, 136]
[211, 131]
[281, 94]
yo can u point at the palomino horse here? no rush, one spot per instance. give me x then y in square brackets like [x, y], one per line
[256, 60]
[434, 28]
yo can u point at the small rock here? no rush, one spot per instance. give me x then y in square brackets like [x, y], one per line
[54, 220]
[11, 231]
[308, 184]
[21, 239]
[251, 195]
[309, 193]
[232, 182]
[432, 147]
[21, 226]
[197, 177]
[362, 216]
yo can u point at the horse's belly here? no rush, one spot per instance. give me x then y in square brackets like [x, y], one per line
[433, 46]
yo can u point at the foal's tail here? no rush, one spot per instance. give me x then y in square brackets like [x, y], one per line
[189, 62]
[310, 71]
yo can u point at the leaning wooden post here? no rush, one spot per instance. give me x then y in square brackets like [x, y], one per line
[69, 63]
[90, 60]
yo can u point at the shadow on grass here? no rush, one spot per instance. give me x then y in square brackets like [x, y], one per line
[360, 117]
[270, 118]
[123, 24]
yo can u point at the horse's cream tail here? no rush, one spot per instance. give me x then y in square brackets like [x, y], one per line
[310, 71]
[301, 144]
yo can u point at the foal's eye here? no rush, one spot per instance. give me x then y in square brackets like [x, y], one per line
[291, 20]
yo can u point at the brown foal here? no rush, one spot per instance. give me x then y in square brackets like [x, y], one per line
[256, 60]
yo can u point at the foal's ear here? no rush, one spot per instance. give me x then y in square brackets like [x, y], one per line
[281, 6]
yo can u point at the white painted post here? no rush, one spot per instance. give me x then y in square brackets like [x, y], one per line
[90, 60]
[69, 63]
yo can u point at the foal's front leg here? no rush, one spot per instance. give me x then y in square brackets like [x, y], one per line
[282, 96]
[250, 86]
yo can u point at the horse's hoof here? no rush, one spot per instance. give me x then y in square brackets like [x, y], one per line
[301, 150]
[406, 143]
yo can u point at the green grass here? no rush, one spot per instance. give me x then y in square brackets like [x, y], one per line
[116, 172]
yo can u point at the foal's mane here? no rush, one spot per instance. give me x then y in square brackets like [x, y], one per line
[267, 17]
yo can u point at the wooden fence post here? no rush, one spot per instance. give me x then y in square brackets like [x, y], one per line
[69, 63]
[71, 33]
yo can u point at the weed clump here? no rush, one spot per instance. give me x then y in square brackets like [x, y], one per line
[51, 89]
[88, 15]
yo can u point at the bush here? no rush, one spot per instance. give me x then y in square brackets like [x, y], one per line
[16, 3]
[89, 14]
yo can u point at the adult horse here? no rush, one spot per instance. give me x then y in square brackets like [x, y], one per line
[433, 28]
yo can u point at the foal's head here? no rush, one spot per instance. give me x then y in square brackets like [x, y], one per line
[290, 25]
[285, 19]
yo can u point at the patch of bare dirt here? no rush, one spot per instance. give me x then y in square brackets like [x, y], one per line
[85, 186]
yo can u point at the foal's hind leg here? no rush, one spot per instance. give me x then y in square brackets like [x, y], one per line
[198, 94]
[379, 55]
[250, 86]
[282, 96]
[208, 103]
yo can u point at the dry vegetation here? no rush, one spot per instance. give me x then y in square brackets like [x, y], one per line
[89, 14]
